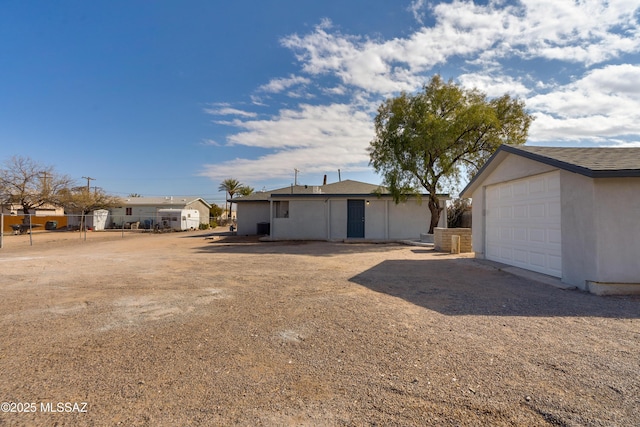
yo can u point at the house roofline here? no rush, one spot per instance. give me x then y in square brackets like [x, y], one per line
[336, 195]
[509, 149]
[591, 173]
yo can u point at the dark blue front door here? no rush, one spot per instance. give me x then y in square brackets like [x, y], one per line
[355, 218]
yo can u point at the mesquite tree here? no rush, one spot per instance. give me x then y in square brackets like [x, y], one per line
[30, 184]
[431, 137]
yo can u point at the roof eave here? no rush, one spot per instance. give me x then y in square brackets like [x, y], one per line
[488, 167]
[591, 173]
[347, 195]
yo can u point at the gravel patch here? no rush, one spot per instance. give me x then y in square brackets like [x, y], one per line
[207, 329]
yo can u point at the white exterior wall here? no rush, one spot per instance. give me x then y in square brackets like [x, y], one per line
[409, 219]
[617, 210]
[250, 214]
[579, 229]
[307, 221]
[326, 219]
[376, 219]
[138, 213]
[338, 219]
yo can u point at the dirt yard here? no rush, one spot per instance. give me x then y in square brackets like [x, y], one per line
[202, 329]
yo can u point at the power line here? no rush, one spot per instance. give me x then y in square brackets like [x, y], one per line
[89, 179]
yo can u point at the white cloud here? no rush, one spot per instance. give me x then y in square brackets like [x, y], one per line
[500, 47]
[228, 111]
[281, 84]
[495, 85]
[280, 165]
[604, 103]
[307, 125]
[550, 29]
[417, 9]
[210, 142]
[310, 138]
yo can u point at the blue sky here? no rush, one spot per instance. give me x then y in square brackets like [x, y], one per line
[169, 98]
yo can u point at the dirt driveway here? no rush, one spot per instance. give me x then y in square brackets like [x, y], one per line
[193, 329]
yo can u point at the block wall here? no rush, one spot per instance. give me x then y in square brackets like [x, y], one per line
[442, 238]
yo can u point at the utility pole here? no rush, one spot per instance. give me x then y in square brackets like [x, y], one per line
[44, 180]
[89, 179]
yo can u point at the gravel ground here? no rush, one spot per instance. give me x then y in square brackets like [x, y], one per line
[206, 329]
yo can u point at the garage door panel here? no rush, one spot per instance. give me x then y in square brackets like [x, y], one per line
[506, 253]
[493, 251]
[523, 223]
[538, 259]
[520, 189]
[520, 256]
[555, 237]
[537, 210]
[505, 233]
[505, 192]
[520, 234]
[536, 185]
[520, 211]
[506, 212]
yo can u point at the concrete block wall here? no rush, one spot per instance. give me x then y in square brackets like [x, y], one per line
[442, 237]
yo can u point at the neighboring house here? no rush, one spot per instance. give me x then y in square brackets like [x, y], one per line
[144, 209]
[45, 210]
[342, 210]
[43, 216]
[571, 213]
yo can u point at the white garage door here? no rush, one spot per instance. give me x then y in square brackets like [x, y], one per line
[523, 223]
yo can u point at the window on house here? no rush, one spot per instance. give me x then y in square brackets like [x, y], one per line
[129, 211]
[282, 209]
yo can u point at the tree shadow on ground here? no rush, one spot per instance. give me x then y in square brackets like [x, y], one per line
[458, 287]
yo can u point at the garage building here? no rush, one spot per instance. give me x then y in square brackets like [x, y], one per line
[572, 213]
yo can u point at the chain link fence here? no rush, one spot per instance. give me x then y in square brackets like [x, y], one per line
[31, 229]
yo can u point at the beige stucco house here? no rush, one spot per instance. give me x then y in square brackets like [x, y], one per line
[567, 212]
[338, 211]
[44, 210]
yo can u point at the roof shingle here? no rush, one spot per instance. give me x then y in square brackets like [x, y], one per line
[594, 159]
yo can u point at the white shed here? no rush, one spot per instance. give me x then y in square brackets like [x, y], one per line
[99, 219]
[567, 212]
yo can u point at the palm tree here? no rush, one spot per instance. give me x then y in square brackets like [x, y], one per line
[231, 186]
[245, 190]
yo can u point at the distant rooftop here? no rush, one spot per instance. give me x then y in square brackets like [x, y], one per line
[157, 201]
[342, 187]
